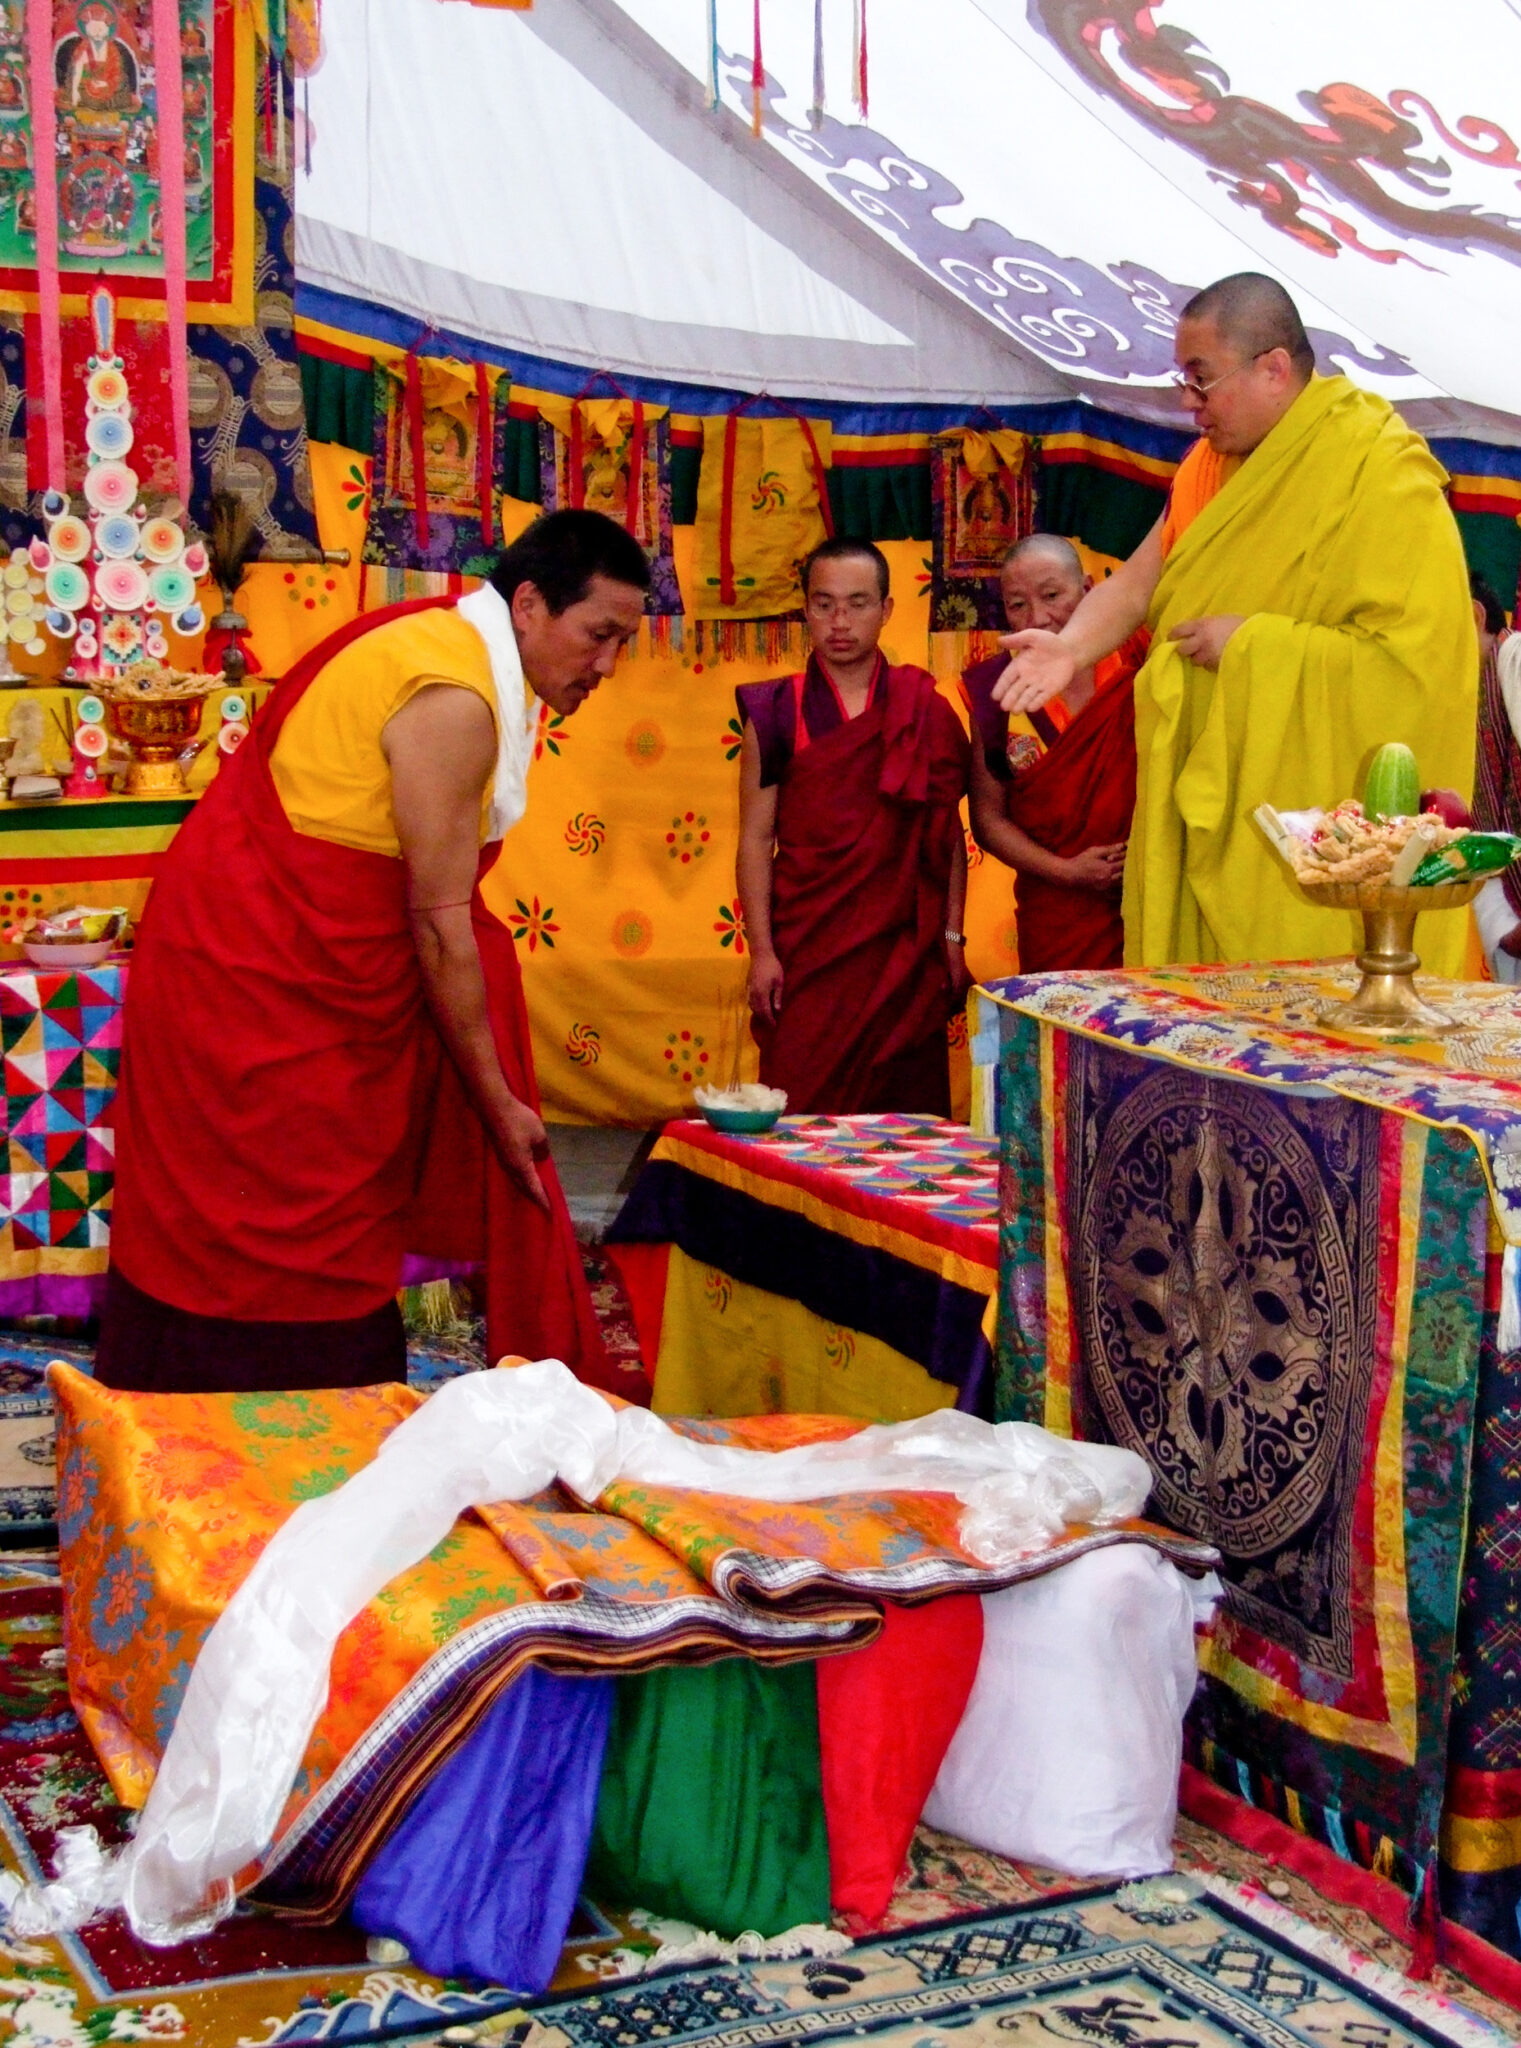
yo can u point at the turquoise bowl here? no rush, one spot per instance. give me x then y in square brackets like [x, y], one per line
[741, 1122]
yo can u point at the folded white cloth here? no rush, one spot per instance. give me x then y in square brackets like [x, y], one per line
[517, 709]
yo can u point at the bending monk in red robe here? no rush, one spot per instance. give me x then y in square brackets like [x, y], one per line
[280, 1073]
[852, 861]
[1053, 790]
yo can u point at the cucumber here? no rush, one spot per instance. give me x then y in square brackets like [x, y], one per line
[1393, 785]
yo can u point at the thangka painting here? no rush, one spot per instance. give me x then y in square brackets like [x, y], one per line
[587, 458]
[983, 496]
[109, 213]
[434, 403]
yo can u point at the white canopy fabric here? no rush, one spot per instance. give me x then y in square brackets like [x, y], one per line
[1038, 188]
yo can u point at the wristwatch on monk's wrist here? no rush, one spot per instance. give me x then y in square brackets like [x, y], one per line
[954, 938]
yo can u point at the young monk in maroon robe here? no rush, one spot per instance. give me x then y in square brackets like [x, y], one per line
[852, 860]
[326, 1061]
[1053, 790]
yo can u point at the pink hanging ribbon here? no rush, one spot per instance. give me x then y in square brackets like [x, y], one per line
[169, 96]
[39, 49]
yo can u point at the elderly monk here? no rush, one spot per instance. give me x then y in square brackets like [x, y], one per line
[1308, 600]
[1053, 788]
[852, 859]
[318, 988]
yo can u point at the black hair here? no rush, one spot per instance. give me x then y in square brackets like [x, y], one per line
[1483, 593]
[841, 548]
[561, 553]
[1256, 314]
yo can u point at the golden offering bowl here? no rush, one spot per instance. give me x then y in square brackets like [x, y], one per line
[1386, 1002]
[158, 713]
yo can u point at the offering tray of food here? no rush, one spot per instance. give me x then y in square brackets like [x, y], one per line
[1391, 856]
[81, 937]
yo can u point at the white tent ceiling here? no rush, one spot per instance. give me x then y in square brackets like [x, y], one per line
[1039, 186]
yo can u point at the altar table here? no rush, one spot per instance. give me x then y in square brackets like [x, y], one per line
[843, 1265]
[1281, 1264]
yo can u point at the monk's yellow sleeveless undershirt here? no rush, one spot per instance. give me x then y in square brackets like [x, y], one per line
[333, 780]
[1199, 476]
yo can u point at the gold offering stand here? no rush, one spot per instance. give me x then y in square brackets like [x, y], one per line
[1386, 1001]
[157, 711]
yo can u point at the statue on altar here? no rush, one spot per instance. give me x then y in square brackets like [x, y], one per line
[96, 68]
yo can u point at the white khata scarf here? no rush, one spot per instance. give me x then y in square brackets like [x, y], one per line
[517, 708]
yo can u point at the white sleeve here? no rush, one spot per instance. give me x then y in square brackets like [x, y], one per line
[1494, 917]
[1508, 661]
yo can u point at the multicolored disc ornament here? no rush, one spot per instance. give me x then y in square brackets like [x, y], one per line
[110, 487]
[90, 711]
[54, 504]
[67, 586]
[69, 538]
[196, 559]
[233, 707]
[118, 536]
[40, 555]
[121, 585]
[90, 741]
[107, 388]
[163, 540]
[190, 620]
[109, 435]
[62, 625]
[171, 589]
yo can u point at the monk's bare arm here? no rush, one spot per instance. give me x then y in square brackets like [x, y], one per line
[955, 918]
[441, 747]
[1043, 664]
[752, 872]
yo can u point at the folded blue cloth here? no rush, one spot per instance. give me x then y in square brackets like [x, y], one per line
[479, 1877]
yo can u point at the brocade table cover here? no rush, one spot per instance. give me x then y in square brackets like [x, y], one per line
[1272, 1261]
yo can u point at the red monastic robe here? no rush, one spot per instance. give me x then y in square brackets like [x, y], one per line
[288, 1124]
[867, 820]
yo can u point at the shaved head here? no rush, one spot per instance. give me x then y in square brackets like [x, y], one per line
[1048, 547]
[1254, 314]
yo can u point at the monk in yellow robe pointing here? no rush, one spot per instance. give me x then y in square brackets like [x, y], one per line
[1308, 600]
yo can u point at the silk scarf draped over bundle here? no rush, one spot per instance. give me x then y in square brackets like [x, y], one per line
[1334, 543]
[319, 1133]
[867, 821]
[1077, 791]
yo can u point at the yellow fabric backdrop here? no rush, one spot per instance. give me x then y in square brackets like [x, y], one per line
[619, 883]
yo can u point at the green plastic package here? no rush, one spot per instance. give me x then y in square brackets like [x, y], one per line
[1463, 859]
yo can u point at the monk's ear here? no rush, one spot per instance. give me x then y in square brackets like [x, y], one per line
[887, 609]
[527, 605]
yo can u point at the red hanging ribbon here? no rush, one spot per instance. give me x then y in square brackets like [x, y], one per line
[726, 514]
[861, 73]
[484, 447]
[576, 459]
[39, 44]
[414, 410]
[820, 481]
[757, 76]
[635, 469]
[170, 101]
